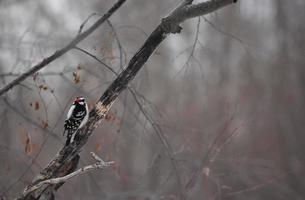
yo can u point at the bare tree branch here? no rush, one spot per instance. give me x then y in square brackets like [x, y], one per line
[64, 50]
[192, 50]
[187, 10]
[10, 74]
[168, 25]
[100, 164]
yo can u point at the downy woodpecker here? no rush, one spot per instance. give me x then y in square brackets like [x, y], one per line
[77, 117]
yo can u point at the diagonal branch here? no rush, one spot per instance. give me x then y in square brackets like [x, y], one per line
[168, 25]
[62, 51]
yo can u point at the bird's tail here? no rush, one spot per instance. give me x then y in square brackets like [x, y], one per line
[68, 140]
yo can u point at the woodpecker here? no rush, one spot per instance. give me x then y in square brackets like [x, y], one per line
[77, 117]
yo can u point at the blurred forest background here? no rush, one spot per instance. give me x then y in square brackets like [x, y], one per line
[227, 94]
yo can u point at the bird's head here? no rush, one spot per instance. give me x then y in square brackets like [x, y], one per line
[80, 100]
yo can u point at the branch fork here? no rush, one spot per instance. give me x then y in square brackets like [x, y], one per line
[100, 164]
[186, 10]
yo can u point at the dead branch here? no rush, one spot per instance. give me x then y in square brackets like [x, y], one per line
[62, 51]
[170, 24]
[100, 164]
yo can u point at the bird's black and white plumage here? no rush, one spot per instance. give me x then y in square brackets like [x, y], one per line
[77, 117]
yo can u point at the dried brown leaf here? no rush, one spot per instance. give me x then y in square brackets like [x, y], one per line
[43, 87]
[37, 105]
[27, 145]
[98, 147]
[79, 67]
[45, 124]
[76, 77]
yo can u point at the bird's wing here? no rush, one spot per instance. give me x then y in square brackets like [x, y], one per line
[84, 121]
[70, 111]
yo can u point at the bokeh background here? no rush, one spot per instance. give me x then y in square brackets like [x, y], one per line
[218, 112]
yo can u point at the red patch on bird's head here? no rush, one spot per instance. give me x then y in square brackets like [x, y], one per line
[79, 99]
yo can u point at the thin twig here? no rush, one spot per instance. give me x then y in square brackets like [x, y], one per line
[192, 49]
[10, 74]
[122, 52]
